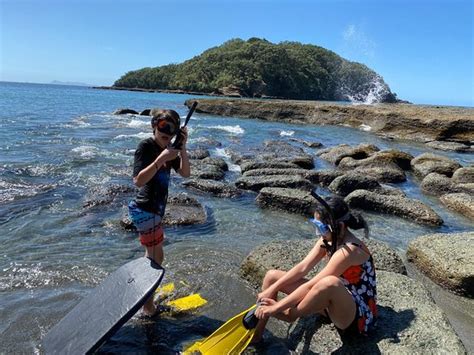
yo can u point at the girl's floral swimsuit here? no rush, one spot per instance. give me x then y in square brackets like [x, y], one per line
[361, 284]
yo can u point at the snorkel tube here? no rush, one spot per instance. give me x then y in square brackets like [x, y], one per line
[333, 225]
[178, 142]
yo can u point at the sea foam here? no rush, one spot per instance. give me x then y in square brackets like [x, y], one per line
[231, 129]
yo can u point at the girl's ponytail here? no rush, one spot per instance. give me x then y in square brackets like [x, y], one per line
[356, 221]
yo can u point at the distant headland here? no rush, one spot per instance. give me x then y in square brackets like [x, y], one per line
[257, 68]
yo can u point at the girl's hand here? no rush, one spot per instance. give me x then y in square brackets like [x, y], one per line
[264, 294]
[266, 308]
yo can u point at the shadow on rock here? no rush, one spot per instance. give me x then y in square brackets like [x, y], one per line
[313, 335]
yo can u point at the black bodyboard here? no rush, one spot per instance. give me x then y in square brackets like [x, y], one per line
[105, 309]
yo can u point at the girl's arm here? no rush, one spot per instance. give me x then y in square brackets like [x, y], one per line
[298, 271]
[338, 263]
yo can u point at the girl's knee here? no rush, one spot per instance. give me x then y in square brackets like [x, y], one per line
[327, 282]
[271, 277]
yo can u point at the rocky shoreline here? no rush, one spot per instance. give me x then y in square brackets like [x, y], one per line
[446, 128]
[282, 174]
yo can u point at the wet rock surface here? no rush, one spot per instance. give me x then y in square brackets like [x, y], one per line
[290, 200]
[345, 184]
[421, 123]
[438, 184]
[125, 111]
[202, 169]
[181, 209]
[215, 188]
[427, 163]
[409, 321]
[103, 196]
[393, 204]
[310, 175]
[447, 259]
[198, 153]
[285, 255]
[460, 202]
[450, 146]
[336, 154]
[464, 175]
[256, 183]
[386, 158]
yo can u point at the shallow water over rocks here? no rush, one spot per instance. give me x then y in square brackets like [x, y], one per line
[62, 147]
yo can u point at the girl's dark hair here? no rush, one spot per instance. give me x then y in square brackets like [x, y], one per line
[341, 213]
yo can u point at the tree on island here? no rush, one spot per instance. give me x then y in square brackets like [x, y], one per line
[259, 68]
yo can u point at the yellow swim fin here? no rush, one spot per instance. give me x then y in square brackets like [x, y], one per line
[187, 303]
[231, 338]
[164, 291]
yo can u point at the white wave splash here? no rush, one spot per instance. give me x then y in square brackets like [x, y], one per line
[141, 135]
[365, 127]
[287, 133]
[86, 151]
[231, 129]
[222, 152]
[138, 124]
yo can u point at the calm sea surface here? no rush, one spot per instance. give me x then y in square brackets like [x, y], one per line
[61, 146]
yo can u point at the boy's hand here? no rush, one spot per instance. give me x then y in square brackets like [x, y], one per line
[169, 154]
[184, 135]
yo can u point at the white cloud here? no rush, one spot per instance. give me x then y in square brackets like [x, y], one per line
[358, 41]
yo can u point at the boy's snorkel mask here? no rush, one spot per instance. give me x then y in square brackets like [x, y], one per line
[323, 228]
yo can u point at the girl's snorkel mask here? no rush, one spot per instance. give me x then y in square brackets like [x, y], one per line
[333, 226]
[321, 228]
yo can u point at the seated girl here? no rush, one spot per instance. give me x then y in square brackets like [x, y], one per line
[344, 290]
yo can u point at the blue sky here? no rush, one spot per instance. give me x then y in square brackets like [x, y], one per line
[423, 49]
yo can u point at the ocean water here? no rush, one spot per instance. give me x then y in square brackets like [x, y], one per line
[61, 146]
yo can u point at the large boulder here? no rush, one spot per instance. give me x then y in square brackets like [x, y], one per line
[394, 204]
[256, 183]
[202, 170]
[309, 144]
[198, 153]
[125, 111]
[271, 164]
[216, 188]
[107, 195]
[311, 175]
[427, 163]
[409, 321]
[336, 154]
[460, 202]
[219, 162]
[391, 158]
[289, 200]
[447, 259]
[390, 173]
[438, 184]
[285, 255]
[449, 146]
[345, 184]
[181, 209]
[464, 175]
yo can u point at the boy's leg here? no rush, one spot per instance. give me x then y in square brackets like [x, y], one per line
[156, 253]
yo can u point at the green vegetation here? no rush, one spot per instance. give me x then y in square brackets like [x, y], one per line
[259, 68]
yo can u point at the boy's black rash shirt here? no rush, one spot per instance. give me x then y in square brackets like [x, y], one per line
[153, 195]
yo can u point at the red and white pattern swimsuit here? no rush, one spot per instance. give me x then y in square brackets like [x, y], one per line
[360, 281]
